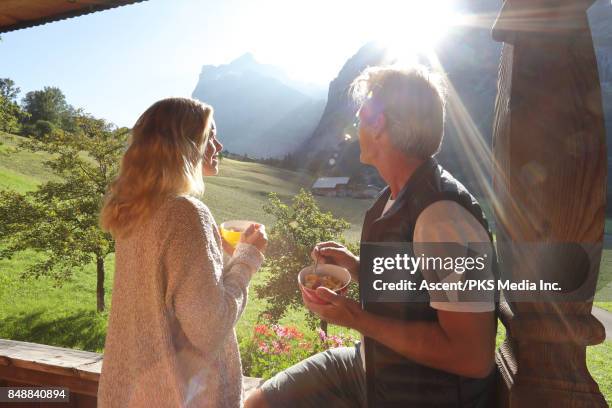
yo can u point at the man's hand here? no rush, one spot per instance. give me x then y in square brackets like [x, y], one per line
[339, 309]
[334, 253]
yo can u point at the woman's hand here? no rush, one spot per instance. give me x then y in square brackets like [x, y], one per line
[256, 236]
[337, 254]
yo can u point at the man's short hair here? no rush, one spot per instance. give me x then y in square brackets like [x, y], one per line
[412, 101]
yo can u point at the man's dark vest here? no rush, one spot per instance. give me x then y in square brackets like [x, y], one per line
[393, 380]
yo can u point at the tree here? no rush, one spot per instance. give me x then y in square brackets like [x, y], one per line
[10, 112]
[8, 89]
[295, 232]
[48, 104]
[41, 128]
[60, 218]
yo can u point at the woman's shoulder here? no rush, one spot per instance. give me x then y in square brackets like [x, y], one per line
[186, 203]
[184, 209]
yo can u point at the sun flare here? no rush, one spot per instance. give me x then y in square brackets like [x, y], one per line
[313, 45]
[410, 28]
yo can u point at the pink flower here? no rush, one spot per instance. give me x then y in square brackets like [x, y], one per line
[277, 346]
[263, 347]
[322, 334]
[336, 341]
[279, 330]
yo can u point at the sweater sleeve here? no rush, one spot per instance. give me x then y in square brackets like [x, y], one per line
[206, 301]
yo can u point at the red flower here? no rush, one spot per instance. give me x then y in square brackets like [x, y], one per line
[293, 333]
[262, 329]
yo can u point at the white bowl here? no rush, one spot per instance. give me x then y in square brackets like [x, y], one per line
[338, 272]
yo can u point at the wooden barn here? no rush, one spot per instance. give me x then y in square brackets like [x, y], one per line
[331, 186]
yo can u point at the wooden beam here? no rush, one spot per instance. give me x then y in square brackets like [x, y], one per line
[550, 174]
[31, 364]
[18, 14]
[48, 359]
[76, 385]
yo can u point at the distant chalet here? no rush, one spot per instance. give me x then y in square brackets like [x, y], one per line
[341, 187]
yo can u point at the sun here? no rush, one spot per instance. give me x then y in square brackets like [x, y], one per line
[411, 28]
[312, 40]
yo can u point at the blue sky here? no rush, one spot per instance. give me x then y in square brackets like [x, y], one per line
[115, 63]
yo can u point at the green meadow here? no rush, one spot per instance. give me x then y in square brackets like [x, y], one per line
[34, 310]
[37, 311]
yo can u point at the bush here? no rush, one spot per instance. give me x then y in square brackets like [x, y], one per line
[42, 129]
[39, 130]
[293, 235]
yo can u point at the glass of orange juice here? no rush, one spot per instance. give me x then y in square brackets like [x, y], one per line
[232, 230]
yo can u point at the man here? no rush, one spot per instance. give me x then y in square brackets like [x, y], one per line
[431, 353]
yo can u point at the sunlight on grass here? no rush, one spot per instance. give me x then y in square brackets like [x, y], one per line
[598, 361]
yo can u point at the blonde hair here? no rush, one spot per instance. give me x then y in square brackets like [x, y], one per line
[412, 102]
[164, 158]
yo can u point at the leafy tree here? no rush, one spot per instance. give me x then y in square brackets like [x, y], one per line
[297, 229]
[10, 112]
[48, 104]
[8, 89]
[60, 218]
[42, 128]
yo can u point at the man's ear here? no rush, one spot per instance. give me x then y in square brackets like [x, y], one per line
[378, 125]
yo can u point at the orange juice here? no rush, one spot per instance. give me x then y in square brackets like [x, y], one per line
[231, 231]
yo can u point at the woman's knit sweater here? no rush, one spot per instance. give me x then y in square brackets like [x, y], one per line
[171, 340]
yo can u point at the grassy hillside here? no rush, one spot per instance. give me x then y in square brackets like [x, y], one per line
[34, 310]
[22, 171]
[238, 192]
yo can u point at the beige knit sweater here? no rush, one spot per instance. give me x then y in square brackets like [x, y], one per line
[171, 340]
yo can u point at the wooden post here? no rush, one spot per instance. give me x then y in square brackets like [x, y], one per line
[550, 183]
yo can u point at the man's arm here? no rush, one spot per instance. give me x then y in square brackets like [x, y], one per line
[462, 341]
[459, 342]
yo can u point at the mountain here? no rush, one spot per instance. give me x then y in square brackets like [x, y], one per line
[470, 59]
[259, 111]
[327, 150]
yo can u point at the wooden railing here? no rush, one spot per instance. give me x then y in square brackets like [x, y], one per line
[29, 364]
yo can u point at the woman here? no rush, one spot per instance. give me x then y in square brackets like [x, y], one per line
[171, 340]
